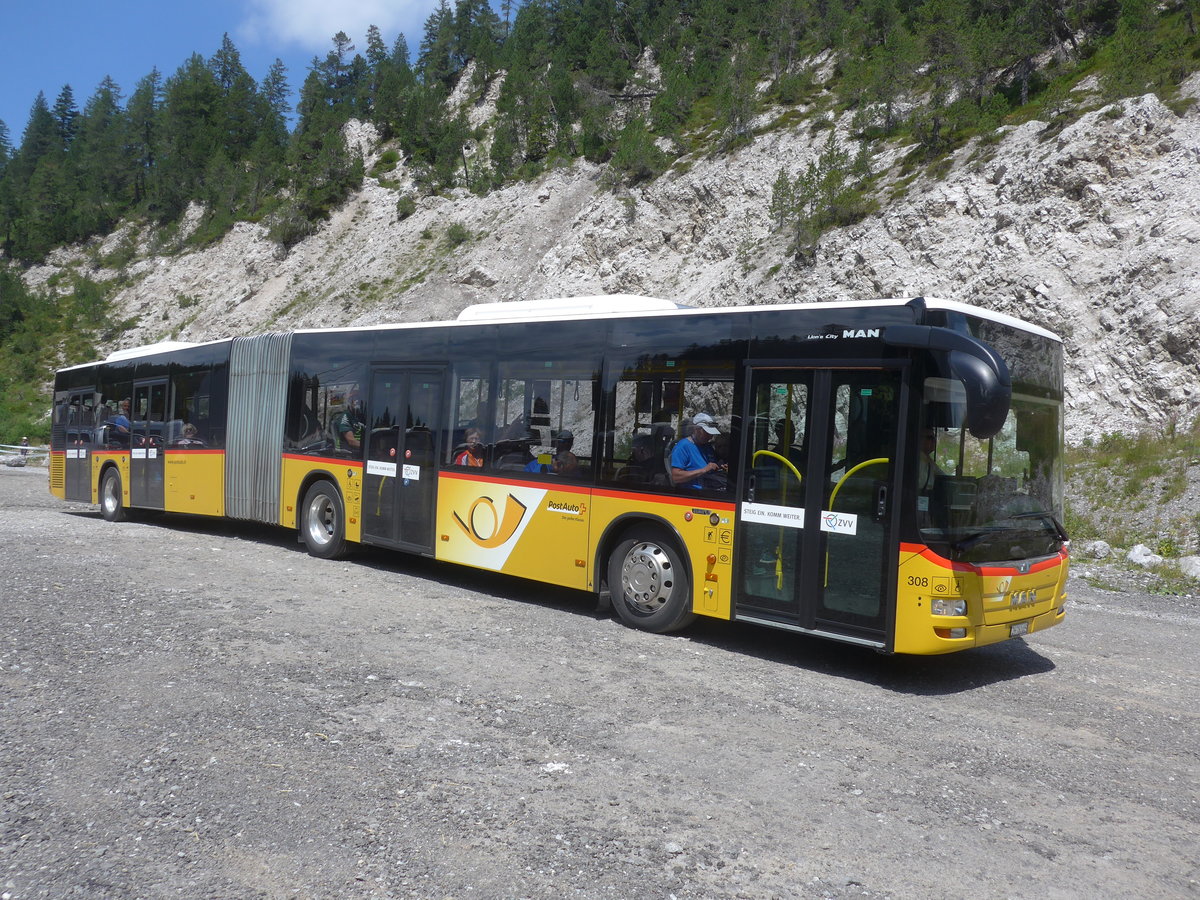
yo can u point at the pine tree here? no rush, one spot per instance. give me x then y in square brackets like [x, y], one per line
[66, 116]
[100, 162]
[238, 115]
[192, 130]
[41, 137]
[7, 193]
[735, 96]
[943, 28]
[142, 134]
[635, 158]
[435, 60]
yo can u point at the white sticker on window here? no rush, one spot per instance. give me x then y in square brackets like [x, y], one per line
[412, 473]
[768, 514]
[839, 523]
[378, 467]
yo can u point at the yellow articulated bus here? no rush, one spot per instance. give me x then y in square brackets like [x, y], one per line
[883, 473]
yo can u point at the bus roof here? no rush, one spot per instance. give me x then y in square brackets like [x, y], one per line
[148, 349]
[605, 306]
[567, 307]
[633, 305]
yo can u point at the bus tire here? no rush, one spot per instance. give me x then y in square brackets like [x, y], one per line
[110, 497]
[649, 583]
[323, 521]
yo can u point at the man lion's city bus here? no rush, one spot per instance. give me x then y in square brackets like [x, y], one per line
[886, 473]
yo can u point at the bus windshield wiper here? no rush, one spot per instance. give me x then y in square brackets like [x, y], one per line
[1059, 531]
[970, 541]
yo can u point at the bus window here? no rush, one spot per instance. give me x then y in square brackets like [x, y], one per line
[653, 401]
[191, 405]
[544, 417]
[779, 442]
[472, 392]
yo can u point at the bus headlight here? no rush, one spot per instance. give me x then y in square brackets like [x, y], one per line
[948, 606]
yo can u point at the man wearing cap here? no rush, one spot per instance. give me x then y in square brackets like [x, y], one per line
[694, 457]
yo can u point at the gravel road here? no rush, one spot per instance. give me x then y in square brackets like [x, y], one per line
[199, 709]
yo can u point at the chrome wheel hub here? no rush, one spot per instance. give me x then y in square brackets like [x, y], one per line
[646, 577]
[320, 519]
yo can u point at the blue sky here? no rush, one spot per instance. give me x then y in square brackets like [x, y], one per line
[45, 44]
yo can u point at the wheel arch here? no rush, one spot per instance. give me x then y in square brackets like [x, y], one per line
[616, 531]
[311, 478]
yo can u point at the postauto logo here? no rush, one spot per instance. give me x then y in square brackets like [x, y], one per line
[486, 527]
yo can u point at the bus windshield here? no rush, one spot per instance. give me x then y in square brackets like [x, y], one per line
[995, 500]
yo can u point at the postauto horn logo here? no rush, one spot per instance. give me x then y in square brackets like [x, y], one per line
[494, 529]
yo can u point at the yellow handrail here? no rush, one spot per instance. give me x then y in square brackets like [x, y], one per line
[862, 465]
[883, 460]
[783, 497]
[783, 459]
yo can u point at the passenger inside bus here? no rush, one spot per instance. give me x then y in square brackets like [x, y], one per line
[562, 461]
[645, 465]
[513, 453]
[349, 424]
[190, 437]
[120, 425]
[471, 452]
[785, 444]
[929, 473]
[694, 462]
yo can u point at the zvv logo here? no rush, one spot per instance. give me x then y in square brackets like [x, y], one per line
[497, 531]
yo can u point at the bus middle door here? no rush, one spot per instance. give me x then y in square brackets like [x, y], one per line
[400, 482]
[146, 443]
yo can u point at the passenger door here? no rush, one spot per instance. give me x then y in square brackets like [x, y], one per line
[403, 444]
[815, 536]
[80, 436]
[146, 457]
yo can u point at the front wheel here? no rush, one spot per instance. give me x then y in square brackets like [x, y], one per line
[110, 497]
[323, 521]
[649, 583]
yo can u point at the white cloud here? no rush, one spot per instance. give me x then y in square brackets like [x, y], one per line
[311, 24]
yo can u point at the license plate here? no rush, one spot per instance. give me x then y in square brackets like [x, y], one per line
[1019, 629]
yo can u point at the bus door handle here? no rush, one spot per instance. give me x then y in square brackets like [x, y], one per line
[881, 494]
[750, 490]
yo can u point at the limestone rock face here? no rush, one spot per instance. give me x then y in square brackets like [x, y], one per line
[1091, 230]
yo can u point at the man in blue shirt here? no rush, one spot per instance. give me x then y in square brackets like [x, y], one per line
[694, 456]
[121, 426]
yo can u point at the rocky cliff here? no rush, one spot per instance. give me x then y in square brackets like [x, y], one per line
[1092, 230]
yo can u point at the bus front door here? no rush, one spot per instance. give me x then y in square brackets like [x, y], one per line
[146, 441]
[815, 533]
[403, 443]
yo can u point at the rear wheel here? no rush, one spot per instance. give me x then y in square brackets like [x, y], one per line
[649, 583]
[110, 497]
[323, 521]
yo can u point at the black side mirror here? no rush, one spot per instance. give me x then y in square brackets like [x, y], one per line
[978, 367]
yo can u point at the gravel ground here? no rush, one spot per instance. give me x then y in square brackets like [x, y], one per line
[198, 709]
